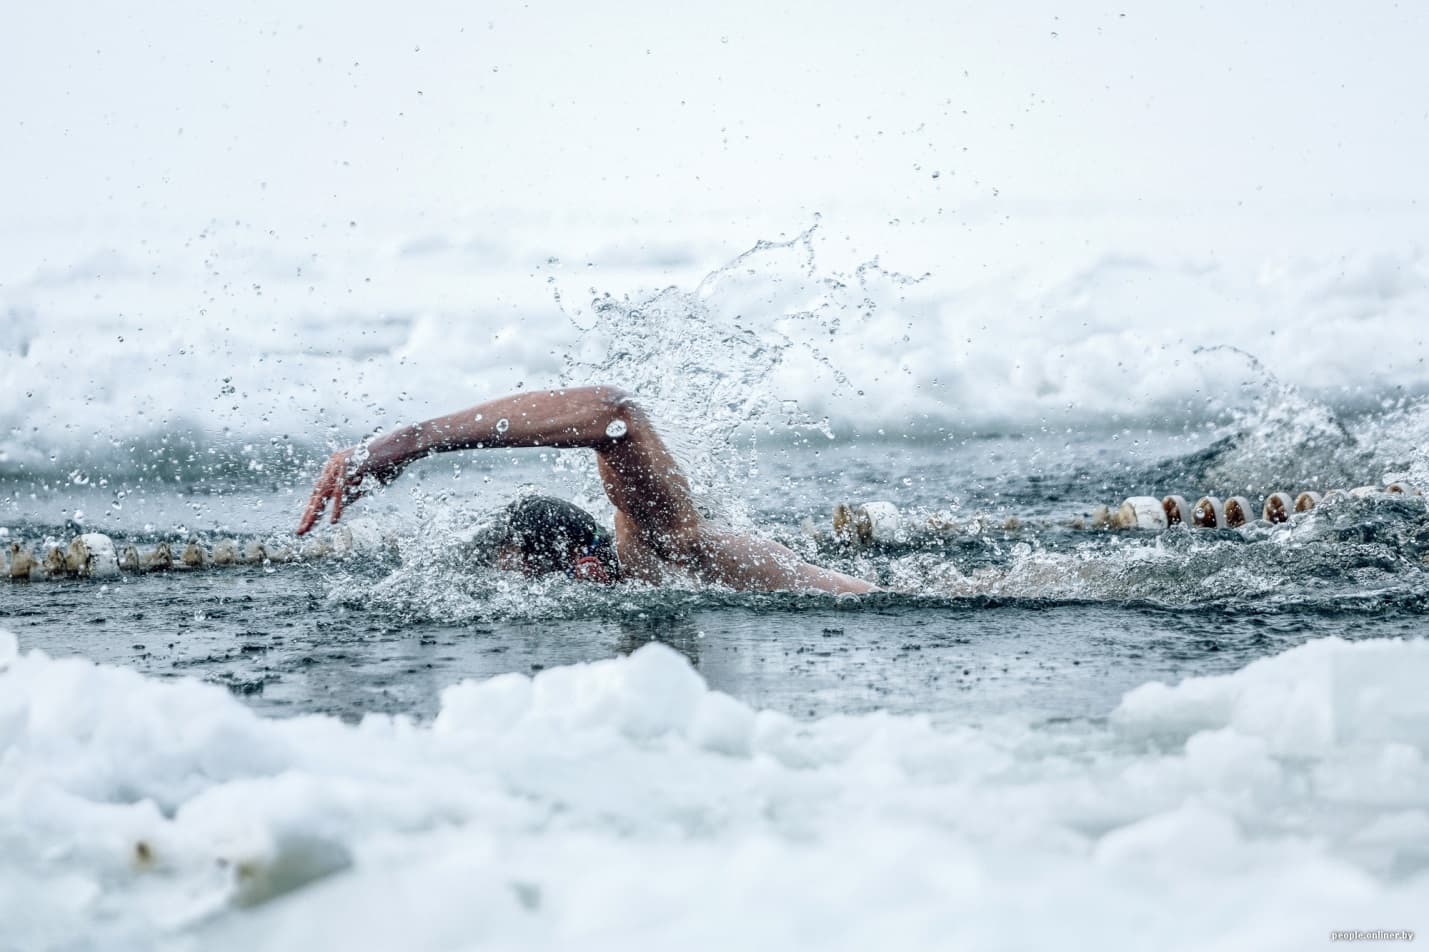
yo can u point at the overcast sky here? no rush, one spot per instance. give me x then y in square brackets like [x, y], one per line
[329, 110]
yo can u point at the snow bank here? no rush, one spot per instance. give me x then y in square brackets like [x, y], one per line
[622, 804]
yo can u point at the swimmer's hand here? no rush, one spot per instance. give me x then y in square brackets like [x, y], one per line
[346, 478]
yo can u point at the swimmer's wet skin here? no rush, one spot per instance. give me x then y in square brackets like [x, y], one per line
[657, 527]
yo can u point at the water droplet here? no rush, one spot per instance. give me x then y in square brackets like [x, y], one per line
[616, 429]
[502, 425]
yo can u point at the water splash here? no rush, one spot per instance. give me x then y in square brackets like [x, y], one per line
[1399, 435]
[703, 360]
[1280, 437]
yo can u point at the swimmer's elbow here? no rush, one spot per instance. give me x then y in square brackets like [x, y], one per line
[614, 398]
[617, 403]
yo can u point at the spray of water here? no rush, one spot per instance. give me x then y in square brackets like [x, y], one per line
[703, 360]
[1278, 436]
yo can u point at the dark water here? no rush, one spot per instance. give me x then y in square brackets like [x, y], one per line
[1041, 620]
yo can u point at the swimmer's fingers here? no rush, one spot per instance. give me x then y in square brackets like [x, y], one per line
[317, 502]
[330, 485]
[349, 485]
[344, 492]
[343, 488]
[338, 492]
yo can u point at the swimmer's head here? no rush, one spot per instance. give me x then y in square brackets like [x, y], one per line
[539, 535]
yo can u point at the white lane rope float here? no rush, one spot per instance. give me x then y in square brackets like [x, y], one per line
[94, 555]
[882, 523]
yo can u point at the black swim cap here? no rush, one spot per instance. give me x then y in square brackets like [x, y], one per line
[552, 533]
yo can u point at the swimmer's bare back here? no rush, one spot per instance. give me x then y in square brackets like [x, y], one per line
[656, 522]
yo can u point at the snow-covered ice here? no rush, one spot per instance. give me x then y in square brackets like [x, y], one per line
[622, 804]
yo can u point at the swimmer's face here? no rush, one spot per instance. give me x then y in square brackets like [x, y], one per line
[509, 558]
[512, 557]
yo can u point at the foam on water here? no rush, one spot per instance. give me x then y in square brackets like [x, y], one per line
[622, 804]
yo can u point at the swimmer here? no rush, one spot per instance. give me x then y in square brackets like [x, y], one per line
[657, 527]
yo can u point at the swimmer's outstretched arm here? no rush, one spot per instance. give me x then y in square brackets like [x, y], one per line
[641, 476]
[655, 513]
